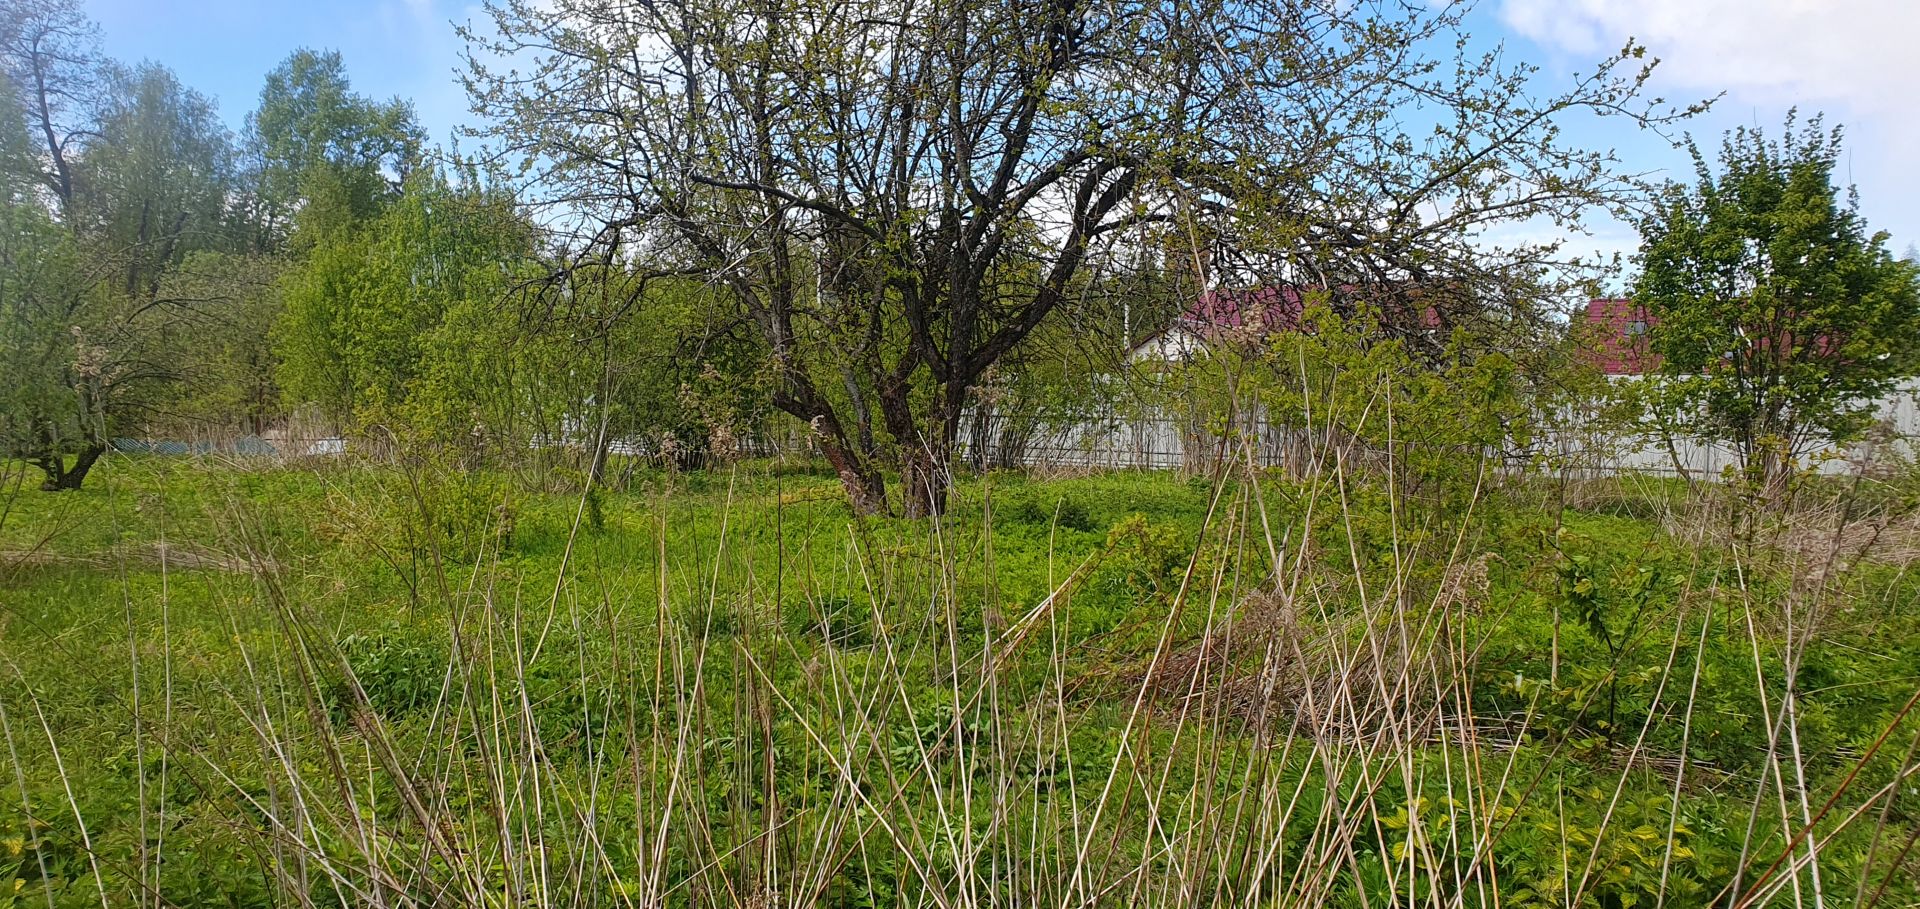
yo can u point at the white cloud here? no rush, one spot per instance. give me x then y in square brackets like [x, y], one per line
[409, 20]
[1852, 59]
[1852, 54]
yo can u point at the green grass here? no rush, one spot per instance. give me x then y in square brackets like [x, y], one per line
[359, 685]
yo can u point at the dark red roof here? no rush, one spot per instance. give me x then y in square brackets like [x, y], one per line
[1617, 341]
[1258, 311]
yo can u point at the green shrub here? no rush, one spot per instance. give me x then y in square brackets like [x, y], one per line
[833, 619]
[401, 669]
[1035, 509]
[407, 523]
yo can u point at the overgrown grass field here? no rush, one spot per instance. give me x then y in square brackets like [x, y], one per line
[353, 684]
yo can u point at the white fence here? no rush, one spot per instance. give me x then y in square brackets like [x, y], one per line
[1160, 441]
[1898, 416]
[1152, 442]
[1164, 442]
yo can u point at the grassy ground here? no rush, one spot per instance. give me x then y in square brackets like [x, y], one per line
[353, 685]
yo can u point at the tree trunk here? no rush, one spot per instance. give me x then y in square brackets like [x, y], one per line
[597, 468]
[61, 180]
[1767, 457]
[866, 489]
[926, 458]
[924, 480]
[929, 481]
[980, 448]
[61, 477]
[1775, 475]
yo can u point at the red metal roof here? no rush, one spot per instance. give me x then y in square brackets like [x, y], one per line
[1617, 337]
[1256, 312]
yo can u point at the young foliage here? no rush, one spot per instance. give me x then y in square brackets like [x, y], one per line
[396, 322]
[897, 196]
[1779, 319]
[324, 152]
[111, 179]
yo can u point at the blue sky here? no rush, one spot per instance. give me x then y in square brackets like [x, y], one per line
[224, 48]
[1853, 59]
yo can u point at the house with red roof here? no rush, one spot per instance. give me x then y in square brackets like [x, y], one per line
[1240, 316]
[1618, 337]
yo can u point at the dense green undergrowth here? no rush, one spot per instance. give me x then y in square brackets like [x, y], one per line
[366, 685]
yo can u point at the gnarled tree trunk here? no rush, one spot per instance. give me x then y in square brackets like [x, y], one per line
[924, 481]
[925, 449]
[866, 489]
[62, 476]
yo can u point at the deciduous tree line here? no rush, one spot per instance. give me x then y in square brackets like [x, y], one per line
[146, 246]
[865, 215]
[162, 276]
